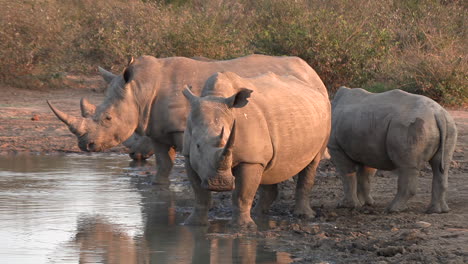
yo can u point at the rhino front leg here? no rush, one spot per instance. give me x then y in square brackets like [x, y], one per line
[268, 194]
[407, 185]
[305, 182]
[248, 177]
[165, 155]
[199, 215]
[363, 184]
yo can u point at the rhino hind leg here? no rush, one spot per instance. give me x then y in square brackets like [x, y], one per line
[439, 188]
[305, 182]
[268, 194]
[407, 186]
[165, 155]
[247, 177]
[199, 215]
[364, 176]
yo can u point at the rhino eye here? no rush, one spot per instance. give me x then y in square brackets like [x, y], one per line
[198, 146]
[108, 117]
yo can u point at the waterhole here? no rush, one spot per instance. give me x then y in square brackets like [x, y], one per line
[99, 209]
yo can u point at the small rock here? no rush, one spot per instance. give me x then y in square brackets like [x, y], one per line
[390, 251]
[422, 224]
[35, 117]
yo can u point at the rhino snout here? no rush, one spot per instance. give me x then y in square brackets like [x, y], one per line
[88, 147]
[139, 156]
[219, 184]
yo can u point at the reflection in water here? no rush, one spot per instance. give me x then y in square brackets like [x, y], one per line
[87, 209]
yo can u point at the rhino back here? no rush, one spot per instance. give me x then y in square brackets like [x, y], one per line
[385, 130]
[170, 109]
[290, 120]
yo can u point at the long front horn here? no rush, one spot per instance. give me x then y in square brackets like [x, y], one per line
[87, 108]
[75, 125]
[225, 159]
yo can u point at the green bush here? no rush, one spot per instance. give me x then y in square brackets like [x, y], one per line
[416, 45]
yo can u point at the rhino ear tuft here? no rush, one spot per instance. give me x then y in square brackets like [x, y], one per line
[130, 60]
[187, 92]
[239, 99]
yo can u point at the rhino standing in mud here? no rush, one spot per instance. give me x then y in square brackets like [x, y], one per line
[147, 99]
[394, 130]
[281, 131]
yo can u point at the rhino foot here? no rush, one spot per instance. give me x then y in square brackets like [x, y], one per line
[159, 181]
[304, 213]
[438, 209]
[366, 200]
[346, 203]
[393, 208]
[195, 219]
[243, 225]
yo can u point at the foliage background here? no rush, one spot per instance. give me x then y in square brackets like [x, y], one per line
[416, 45]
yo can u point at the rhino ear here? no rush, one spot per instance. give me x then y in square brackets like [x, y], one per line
[107, 75]
[128, 74]
[239, 99]
[188, 94]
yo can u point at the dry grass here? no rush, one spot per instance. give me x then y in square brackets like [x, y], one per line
[419, 46]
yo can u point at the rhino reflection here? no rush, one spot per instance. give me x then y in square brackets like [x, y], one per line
[164, 240]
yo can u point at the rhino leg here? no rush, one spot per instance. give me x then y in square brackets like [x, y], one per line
[439, 188]
[305, 182]
[268, 194]
[346, 168]
[199, 215]
[407, 186]
[248, 177]
[165, 155]
[363, 184]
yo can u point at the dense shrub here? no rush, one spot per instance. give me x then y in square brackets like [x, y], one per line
[416, 45]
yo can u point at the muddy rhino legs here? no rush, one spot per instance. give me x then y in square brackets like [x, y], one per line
[407, 186]
[199, 215]
[305, 182]
[247, 177]
[268, 194]
[439, 188]
[346, 169]
[364, 176]
[165, 155]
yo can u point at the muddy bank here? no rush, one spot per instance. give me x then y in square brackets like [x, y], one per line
[368, 235]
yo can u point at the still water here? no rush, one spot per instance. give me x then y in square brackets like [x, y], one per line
[99, 209]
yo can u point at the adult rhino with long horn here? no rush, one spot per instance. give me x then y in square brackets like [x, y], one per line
[396, 131]
[147, 98]
[268, 130]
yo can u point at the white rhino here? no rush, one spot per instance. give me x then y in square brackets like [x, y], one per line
[140, 147]
[394, 130]
[281, 131]
[147, 98]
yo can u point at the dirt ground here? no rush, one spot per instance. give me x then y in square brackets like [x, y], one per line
[368, 235]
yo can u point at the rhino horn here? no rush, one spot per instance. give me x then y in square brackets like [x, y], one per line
[188, 94]
[226, 155]
[74, 124]
[220, 137]
[106, 75]
[87, 109]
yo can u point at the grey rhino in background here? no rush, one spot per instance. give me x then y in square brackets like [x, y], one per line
[140, 147]
[394, 130]
[147, 99]
[280, 131]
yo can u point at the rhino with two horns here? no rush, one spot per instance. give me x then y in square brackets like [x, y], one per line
[394, 130]
[270, 129]
[147, 99]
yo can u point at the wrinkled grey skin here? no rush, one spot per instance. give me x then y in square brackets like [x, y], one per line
[147, 99]
[140, 147]
[269, 129]
[394, 130]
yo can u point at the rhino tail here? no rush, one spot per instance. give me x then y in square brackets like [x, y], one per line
[448, 138]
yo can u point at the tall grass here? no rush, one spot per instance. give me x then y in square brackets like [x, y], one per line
[416, 45]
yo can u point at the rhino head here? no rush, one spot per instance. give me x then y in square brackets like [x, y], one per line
[110, 123]
[210, 138]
